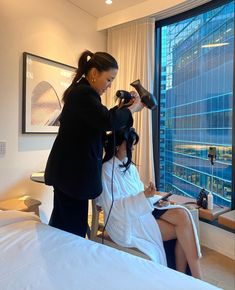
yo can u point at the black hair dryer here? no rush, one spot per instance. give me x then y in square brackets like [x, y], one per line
[146, 97]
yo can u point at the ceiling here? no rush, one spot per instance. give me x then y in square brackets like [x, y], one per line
[98, 8]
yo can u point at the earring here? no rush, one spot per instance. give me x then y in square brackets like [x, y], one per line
[93, 80]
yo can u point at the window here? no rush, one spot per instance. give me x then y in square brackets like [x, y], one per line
[196, 102]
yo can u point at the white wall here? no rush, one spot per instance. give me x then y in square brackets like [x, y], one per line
[57, 30]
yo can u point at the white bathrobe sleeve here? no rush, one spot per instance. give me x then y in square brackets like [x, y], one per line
[133, 203]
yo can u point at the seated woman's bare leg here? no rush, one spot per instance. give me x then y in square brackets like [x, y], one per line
[168, 233]
[180, 219]
[180, 258]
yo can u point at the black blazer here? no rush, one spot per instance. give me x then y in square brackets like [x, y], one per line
[75, 161]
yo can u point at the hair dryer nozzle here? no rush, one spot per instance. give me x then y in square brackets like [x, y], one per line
[146, 97]
[121, 94]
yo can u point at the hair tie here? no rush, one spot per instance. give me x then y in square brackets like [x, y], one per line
[89, 56]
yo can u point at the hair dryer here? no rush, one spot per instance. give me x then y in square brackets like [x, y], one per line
[146, 97]
[121, 94]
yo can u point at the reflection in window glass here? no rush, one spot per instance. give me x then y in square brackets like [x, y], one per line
[196, 104]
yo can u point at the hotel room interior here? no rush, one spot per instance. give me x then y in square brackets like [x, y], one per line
[182, 51]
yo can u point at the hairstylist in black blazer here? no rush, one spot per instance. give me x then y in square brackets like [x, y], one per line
[74, 164]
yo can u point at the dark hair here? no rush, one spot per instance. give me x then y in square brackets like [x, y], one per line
[129, 135]
[102, 61]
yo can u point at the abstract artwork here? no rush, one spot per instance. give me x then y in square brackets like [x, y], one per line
[44, 82]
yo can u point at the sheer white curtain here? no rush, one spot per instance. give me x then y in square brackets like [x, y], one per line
[132, 45]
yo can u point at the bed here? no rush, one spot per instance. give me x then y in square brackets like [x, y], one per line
[37, 256]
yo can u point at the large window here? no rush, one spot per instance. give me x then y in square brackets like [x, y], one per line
[196, 102]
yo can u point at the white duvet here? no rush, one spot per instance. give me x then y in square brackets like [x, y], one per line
[37, 256]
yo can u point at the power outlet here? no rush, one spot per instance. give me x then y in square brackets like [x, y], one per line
[3, 145]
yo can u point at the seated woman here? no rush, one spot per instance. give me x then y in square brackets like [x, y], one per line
[132, 221]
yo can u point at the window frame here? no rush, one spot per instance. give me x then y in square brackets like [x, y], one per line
[157, 89]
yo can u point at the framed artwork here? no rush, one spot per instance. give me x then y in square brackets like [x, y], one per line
[44, 82]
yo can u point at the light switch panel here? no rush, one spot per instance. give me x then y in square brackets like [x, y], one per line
[3, 148]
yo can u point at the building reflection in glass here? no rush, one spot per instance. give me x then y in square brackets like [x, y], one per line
[196, 104]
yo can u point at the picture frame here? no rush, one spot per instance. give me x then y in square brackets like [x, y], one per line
[44, 82]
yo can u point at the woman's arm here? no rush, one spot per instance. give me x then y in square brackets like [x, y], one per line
[86, 108]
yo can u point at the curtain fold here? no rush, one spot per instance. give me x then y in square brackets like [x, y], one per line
[132, 45]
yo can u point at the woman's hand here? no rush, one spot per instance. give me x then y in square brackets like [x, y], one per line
[135, 103]
[150, 191]
[162, 203]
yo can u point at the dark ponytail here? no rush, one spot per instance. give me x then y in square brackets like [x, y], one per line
[102, 61]
[129, 135]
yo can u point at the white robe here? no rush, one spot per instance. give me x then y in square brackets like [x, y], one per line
[131, 223]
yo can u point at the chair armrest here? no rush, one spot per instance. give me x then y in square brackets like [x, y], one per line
[94, 221]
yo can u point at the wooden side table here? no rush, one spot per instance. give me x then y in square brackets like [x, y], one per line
[227, 219]
[211, 215]
[23, 203]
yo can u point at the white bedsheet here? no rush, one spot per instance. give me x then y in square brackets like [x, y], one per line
[37, 256]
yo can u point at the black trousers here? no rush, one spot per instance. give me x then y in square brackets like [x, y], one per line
[69, 214]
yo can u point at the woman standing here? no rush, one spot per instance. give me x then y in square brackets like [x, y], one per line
[74, 164]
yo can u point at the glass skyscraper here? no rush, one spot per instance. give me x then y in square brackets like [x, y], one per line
[196, 104]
